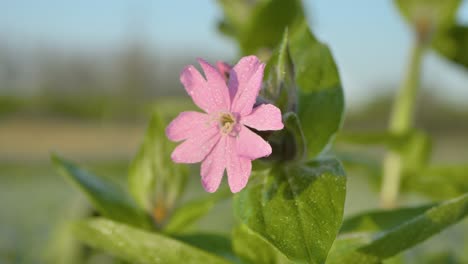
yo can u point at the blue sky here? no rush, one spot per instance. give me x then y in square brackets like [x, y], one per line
[369, 40]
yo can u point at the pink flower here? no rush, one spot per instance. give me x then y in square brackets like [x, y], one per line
[220, 138]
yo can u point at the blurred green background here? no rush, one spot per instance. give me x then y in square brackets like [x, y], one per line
[82, 78]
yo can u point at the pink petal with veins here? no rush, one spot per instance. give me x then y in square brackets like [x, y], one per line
[238, 168]
[264, 117]
[216, 85]
[187, 124]
[212, 168]
[195, 85]
[197, 147]
[251, 145]
[245, 81]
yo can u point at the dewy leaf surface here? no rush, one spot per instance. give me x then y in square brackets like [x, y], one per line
[298, 208]
[280, 87]
[254, 249]
[378, 220]
[138, 246]
[320, 94]
[217, 244]
[407, 234]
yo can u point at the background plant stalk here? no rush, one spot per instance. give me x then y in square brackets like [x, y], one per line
[401, 121]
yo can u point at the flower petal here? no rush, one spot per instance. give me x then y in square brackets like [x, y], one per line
[210, 95]
[216, 85]
[245, 81]
[238, 169]
[264, 117]
[195, 85]
[187, 124]
[224, 69]
[196, 148]
[251, 145]
[212, 168]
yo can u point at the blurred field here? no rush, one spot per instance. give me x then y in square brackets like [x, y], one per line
[33, 201]
[34, 140]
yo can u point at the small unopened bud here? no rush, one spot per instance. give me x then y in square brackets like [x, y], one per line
[159, 213]
[425, 28]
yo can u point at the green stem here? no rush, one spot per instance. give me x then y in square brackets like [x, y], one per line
[401, 122]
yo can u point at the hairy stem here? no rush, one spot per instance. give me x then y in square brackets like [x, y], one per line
[401, 122]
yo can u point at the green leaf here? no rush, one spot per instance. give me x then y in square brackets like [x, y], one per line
[393, 241]
[379, 220]
[293, 126]
[108, 198]
[320, 95]
[185, 215]
[214, 243]
[446, 257]
[138, 246]
[453, 44]
[154, 180]
[280, 87]
[258, 25]
[289, 143]
[236, 15]
[438, 181]
[435, 14]
[298, 208]
[254, 249]
[278, 66]
[345, 244]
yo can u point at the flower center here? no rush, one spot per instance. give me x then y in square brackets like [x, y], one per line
[227, 122]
